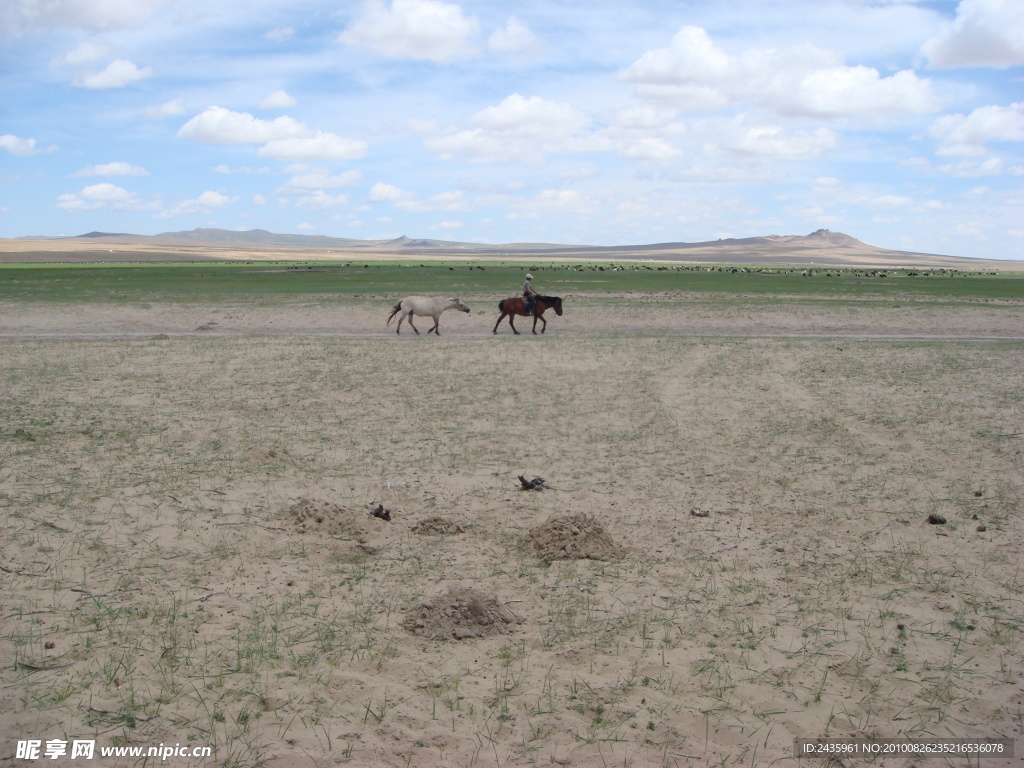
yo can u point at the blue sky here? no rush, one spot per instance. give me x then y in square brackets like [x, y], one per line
[606, 122]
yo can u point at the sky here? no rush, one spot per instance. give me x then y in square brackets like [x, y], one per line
[610, 122]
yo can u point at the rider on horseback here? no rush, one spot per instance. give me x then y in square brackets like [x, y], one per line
[529, 296]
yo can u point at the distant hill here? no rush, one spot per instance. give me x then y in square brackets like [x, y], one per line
[822, 238]
[821, 247]
[250, 237]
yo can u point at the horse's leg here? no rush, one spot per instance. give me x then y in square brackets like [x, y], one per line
[401, 317]
[495, 331]
[512, 325]
[437, 322]
[413, 326]
[539, 316]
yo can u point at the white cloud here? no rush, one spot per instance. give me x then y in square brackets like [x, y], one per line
[320, 180]
[643, 118]
[992, 166]
[222, 168]
[117, 74]
[514, 37]
[216, 125]
[321, 201]
[724, 173]
[102, 196]
[447, 225]
[278, 100]
[453, 201]
[321, 146]
[111, 169]
[206, 202]
[649, 149]
[387, 193]
[84, 53]
[417, 125]
[519, 129]
[578, 173]
[22, 147]
[171, 108]
[967, 229]
[283, 138]
[914, 162]
[91, 14]
[884, 202]
[279, 34]
[691, 58]
[773, 141]
[966, 135]
[413, 29]
[560, 201]
[985, 33]
[536, 115]
[695, 74]
[859, 91]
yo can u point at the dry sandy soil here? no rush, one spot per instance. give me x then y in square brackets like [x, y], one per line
[189, 554]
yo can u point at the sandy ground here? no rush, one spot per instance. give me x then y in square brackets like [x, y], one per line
[189, 557]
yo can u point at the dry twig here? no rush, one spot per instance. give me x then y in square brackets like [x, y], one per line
[34, 668]
[258, 525]
[20, 573]
[123, 714]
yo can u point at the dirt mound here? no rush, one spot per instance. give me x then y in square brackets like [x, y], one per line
[269, 453]
[325, 517]
[437, 526]
[577, 537]
[459, 614]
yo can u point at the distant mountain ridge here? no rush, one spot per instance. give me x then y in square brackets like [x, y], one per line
[206, 235]
[822, 247]
[253, 237]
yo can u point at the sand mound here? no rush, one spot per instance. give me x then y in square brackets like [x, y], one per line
[459, 614]
[578, 537]
[325, 517]
[437, 526]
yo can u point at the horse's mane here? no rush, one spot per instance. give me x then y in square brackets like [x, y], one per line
[549, 299]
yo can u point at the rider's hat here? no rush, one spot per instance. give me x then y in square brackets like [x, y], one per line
[529, 277]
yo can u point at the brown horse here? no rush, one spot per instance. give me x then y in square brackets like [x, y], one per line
[514, 306]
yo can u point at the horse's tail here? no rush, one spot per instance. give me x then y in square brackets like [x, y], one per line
[501, 305]
[394, 312]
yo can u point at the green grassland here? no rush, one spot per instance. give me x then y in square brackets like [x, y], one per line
[131, 282]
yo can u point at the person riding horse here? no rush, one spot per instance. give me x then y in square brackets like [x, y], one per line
[529, 295]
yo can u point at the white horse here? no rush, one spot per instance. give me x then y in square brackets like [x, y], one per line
[424, 306]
